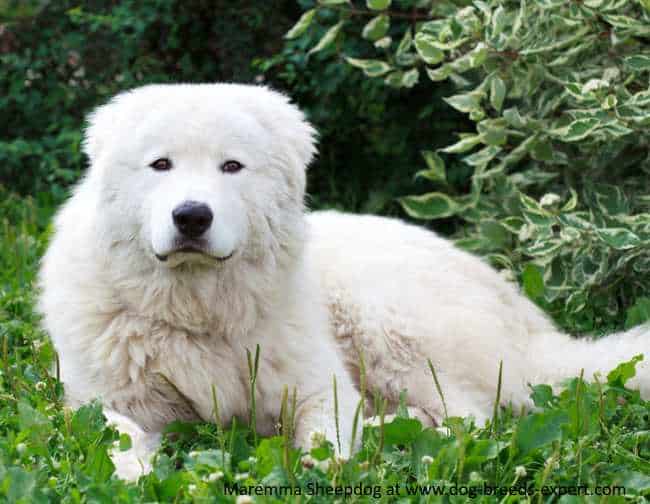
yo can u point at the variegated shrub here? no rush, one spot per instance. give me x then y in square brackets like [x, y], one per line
[559, 94]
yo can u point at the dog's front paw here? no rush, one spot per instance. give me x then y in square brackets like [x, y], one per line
[128, 465]
[136, 461]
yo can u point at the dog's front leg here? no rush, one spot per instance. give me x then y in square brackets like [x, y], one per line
[136, 461]
[316, 417]
[158, 403]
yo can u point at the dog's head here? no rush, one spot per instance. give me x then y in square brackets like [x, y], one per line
[199, 174]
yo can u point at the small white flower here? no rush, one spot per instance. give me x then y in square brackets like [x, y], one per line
[40, 385]
[594, 84]
[427, 460]
[552, 463]
[241, 476]
[520, 471]
[20, 448]
[550, 199]
[317, 439]
[308, 461]
[191, 488]
[244, 499]
[252, 460]
[475, 476]
[215, 476]
[56, 464]
[193, 454]
[611, 74]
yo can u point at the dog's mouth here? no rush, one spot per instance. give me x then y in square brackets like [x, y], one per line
[192, 248]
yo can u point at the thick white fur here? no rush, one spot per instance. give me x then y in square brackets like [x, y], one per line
[151, 338]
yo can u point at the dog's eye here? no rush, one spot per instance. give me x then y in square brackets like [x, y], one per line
[231, 166]
[161, 164]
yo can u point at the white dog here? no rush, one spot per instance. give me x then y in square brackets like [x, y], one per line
[187, 244]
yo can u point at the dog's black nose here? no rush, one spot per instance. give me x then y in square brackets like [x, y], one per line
[192, 218]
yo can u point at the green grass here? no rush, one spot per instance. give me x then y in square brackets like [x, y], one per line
[591, 434]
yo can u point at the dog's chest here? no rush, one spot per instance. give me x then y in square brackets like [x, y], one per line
[197, 366]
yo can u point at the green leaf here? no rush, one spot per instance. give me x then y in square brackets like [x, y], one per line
[125, 442]
[464, 102]
[463, 145]
[494, 136]
[638, 63]
[633, 480]
[411, 78]
[405, 43]
[332, 2]
[378, 4]
[436, 167]
[540, 429]
[620, 375]
[301, 26]
[543, 247]
[376, 28]
[482, 157]
[497, 92]
[619, 238]
[638, 313]
[328, 38]
[439, 74]
[542, 395]
[99, 465]
[577, 130]
[402, 431]
[429, 206]
[371, 67]
[533, 281]
[424, 45]
[496, 235]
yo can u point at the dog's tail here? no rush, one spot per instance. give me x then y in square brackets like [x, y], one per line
[557, 356]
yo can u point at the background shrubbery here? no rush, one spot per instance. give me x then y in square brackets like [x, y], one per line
[60, 59]
[556, 185]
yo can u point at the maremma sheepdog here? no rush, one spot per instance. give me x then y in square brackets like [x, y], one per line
[187, 244]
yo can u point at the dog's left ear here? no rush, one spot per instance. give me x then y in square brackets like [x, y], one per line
[287, 121]
[101, 125]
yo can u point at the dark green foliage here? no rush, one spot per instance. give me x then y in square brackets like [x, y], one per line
[556, 180]
[60, 59]
[370, 137]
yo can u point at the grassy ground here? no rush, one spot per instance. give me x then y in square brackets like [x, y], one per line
[592, 437]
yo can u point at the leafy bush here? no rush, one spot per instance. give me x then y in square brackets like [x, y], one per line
[60, 59]
[369, 135]
[558, 185]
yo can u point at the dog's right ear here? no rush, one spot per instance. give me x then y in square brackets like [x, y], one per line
[99, 124]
